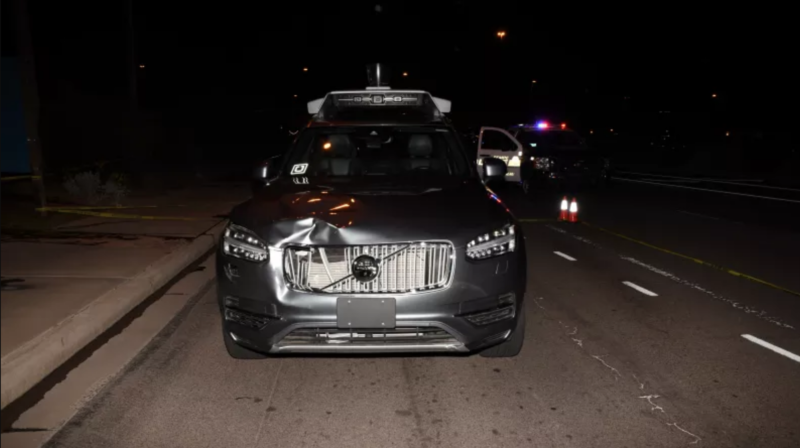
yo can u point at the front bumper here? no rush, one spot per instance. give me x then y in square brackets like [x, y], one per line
[478, 309]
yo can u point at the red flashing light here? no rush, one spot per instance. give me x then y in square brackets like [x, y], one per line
[563, 126]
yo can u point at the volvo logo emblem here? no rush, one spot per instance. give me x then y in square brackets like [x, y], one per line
[365, 268]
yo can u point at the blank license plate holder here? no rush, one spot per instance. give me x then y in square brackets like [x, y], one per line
[366, 312]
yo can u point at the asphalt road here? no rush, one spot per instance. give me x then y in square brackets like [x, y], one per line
[627, 345]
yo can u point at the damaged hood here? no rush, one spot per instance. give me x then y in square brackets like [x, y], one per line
[371, 211]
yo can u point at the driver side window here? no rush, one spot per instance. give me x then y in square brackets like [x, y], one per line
[497, 141]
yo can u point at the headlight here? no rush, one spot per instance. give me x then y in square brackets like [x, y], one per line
[242, 243]
[492, 244]
[542, 163]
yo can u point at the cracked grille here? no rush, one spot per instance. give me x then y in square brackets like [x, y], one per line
[404, 267]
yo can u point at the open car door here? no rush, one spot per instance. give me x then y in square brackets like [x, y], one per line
[497, 142]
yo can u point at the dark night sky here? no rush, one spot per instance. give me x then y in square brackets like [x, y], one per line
[239, 66]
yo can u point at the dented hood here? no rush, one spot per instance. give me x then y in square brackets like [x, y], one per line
[371, 211]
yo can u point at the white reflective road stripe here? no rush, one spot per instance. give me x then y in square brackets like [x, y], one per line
[563, 255]
[706, 189]
[742, 182]
[774, 348]
[646, 292]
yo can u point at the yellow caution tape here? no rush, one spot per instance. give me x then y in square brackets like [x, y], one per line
[9, 178]
[696, 260]
[116, 215]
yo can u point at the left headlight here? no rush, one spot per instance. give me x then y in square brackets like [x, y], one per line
[492, 244]
[242, 243]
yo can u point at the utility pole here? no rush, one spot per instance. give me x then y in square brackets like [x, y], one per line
[30, 100]
[132, 64]
[134, 122]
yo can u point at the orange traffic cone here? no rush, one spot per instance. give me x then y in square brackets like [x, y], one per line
[573, 210]
[563, 216]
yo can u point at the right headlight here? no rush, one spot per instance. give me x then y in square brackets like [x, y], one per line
[492, 244]
[243, 243]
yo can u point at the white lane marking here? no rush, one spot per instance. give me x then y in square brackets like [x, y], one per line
[774, 348]
[646, 292]
[718, 181]
[707, 189]
[563, 255]
[761, 314]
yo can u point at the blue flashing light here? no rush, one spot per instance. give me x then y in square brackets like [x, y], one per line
[542, 125]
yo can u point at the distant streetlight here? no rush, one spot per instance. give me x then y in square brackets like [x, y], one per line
[305, 69]
[405, 74]
[141, 65]
[295, 96]
[591, 131]
[713, 95]
[727, 133]
[612, 130]
[533, 81]
[501, 34]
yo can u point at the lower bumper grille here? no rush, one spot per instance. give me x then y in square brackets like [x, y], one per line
[255, 321]
[398, 339]
[492, 316]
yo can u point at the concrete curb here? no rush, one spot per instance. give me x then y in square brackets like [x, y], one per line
[33, 361]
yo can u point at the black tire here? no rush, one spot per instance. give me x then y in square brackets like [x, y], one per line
[236, 351]
[513, 345]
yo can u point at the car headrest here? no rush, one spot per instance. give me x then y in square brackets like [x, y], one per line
[341, 145]
[420, 145]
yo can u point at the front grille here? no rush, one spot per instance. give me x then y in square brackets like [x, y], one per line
[396, 336]
[404, 267]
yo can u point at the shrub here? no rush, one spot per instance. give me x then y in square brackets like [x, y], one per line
[88, 188]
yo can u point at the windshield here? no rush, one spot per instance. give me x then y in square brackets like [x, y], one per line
[551, 139]
[377, 151]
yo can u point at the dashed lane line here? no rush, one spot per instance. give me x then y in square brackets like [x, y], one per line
[761, 314]
[741, 182]
[564, 256]
[772, 347]
[696, 260]
[770, 198]
[644, 291]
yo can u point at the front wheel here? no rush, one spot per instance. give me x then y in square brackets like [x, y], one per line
[513, 345]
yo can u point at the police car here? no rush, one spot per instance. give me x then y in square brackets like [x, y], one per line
[373, 234]
[541, 154]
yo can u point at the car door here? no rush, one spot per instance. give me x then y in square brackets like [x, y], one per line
[497, 142]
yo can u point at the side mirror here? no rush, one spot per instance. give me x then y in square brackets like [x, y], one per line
[263, 171]
[494, 169]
